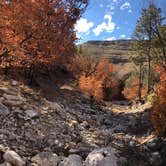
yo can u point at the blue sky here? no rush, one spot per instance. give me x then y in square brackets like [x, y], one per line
[111, 19]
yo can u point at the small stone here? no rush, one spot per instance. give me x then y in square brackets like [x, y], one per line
[13, 158]
[3, 109]
[84, 125]
[31, 114]
[156, 159]
[73, 123]
[151, 144]
[154, 154]
[13, 97]
[131, 143]
[14, 82]
[55, 106]
[12, 103]
[3, 149]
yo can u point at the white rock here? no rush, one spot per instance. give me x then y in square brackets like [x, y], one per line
[46, 159]
[101, 157]
[72, 160]
[13, 158]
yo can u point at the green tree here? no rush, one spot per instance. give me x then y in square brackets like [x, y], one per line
[146, 29]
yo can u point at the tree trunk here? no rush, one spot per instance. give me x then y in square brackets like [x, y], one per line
[140, 82]
[149, 72]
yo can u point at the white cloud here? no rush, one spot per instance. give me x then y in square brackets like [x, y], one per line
[83, 25]
[117, 27]
[111, 38]
[126, 5]
[105, 26]
[122, 36]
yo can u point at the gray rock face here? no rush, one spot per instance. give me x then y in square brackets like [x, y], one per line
[72, 160]
[101, 157]
[13, 158]
[3, 109]
[46, 159]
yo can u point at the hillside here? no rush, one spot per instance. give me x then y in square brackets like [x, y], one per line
[118, 52]
[67, 129]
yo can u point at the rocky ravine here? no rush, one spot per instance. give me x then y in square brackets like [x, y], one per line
[69, 130]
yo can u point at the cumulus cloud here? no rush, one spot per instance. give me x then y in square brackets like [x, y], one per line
[83, 26]
[122, 36]
[126, 5]
[108, 26]
[111, 38]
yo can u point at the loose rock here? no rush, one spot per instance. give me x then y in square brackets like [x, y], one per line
[101, 157]
[46, 159]
[72, 160]
[13, 158]
[3, 109]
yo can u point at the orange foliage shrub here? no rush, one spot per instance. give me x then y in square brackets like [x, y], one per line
[91, 86]
[95, 77]
[158, 115]
[34, 33]
[131, 89]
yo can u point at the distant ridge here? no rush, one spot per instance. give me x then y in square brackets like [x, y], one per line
[106, 42]
[117, 51]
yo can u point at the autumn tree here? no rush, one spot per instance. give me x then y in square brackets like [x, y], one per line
[95, 76]
[158, 114]
[38, 33]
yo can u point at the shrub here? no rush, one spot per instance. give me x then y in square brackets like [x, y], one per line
[132, 87]
[95, 76]
[158, 114]
[151, 97]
